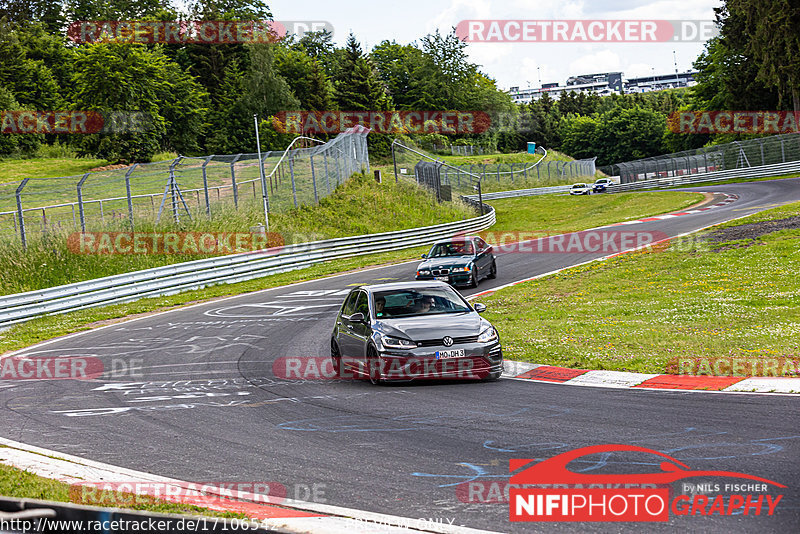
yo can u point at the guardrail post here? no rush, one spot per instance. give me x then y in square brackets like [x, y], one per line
[233, 181]
[205, 186]
[512, 173]
[128, 193]
[480, 197]
[291, 173]
[80, 201]
[21, 217]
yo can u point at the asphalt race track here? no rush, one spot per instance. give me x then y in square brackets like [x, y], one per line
[203, 404]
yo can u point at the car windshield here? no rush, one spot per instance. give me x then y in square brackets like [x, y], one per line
[417, 301]
[578, 186]
[463, 248]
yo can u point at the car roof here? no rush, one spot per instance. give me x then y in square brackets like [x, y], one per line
[390, 286]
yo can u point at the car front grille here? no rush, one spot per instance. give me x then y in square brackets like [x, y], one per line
[456, 341]
[440, 272]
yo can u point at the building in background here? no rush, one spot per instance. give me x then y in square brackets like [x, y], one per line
[604, 84]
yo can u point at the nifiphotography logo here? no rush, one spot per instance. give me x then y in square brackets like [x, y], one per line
[559, 494]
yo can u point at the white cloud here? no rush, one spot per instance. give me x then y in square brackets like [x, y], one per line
[637, 70]
[601, 61]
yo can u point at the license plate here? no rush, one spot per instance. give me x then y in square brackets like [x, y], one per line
[441, 278]
[455, 353]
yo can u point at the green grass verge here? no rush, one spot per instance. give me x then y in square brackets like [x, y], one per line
[16, 170]
[566, 213]
[44, 328]
[21, 484]
[644, 311]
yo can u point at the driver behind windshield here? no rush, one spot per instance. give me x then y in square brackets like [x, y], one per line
[453, 249]
[424, 304]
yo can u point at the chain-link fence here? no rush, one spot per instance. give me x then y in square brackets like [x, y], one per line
[465, 179]
[459, 150]
[185, 187]
[736, 155]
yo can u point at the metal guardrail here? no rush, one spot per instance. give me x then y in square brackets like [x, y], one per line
[762, 171]
[524, 192]
[184, 276]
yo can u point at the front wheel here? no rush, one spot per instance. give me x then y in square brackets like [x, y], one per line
[336, 358]
[493, 270]
[374, 367]
[473, 278]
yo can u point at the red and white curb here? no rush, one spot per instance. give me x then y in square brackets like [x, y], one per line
[622, 379]
[728, 199]
[290, 516]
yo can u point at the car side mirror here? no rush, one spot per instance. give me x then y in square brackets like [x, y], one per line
[480, 308]
[424, 256]
[357, 318]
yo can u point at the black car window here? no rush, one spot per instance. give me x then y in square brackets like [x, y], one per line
[460, 248]
[481, 244]
[422, 301]
[362, 305]
[350, 303]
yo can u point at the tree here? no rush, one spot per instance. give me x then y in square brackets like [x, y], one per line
[772, 39]
[256, 89]
[358, 87]
[306, 78]
[626, 134]
[115, 77]
[398, 66]
[45, 12]
[580, 136]
[30, 80]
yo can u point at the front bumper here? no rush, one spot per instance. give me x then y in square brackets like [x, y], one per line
[479, 362]
[452, 278]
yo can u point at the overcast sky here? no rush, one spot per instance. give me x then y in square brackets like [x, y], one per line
[514, 64]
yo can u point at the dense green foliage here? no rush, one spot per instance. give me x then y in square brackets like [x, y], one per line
[200, 98]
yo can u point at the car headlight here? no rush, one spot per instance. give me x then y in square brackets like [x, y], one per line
[423, 272]
[397, 343]
[488, 335]
[459, 270]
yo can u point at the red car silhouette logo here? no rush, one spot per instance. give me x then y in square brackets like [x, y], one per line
[554, 470]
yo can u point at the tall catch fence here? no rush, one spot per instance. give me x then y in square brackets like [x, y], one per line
[729, 156]
[411, 162]
[183, 188]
